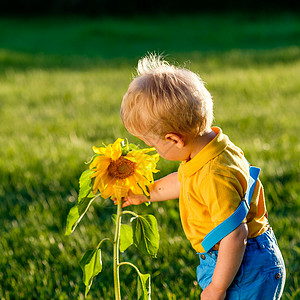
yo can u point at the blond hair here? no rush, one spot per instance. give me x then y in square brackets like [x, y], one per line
[163, 99]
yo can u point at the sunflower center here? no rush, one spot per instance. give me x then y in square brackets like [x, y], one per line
[121, 168]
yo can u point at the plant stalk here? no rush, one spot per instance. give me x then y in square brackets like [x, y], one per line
[116, 253]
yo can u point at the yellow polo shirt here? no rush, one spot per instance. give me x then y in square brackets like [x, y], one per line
[213, 184]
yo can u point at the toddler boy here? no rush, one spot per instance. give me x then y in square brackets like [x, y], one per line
[170, 109]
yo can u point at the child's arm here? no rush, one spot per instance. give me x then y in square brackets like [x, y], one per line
[230, 255]
[166, 188]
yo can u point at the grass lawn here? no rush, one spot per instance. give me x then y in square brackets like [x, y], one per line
[61, 84]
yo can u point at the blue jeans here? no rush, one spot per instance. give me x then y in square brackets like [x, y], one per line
[260, 276]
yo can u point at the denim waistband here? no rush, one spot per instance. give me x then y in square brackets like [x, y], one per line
[261, 241]
[267, 235]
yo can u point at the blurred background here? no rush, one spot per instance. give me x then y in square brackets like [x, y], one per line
[64, 67]
[133, 7]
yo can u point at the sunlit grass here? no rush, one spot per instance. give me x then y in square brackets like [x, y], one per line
[61, 84]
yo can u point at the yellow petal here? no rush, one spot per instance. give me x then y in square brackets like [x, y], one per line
[96, 185]
[120, 189]
[108, 192]
[116, 149]
[98, 173]
[100, 162]
[101, 182]
[99, 150]
[138, 182]
[141, 182]
[136, 189]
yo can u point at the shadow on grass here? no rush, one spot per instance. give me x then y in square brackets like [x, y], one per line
[18, 61]
[282, 191]
[78, 43]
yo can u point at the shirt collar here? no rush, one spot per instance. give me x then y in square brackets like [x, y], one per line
[210, 151]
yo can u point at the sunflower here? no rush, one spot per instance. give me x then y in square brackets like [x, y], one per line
[119, 168]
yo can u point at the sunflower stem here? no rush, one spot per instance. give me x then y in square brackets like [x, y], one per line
[105, 239]
[130, 264]
[117, 252]
[124, 212]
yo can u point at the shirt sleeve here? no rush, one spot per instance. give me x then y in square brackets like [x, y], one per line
[222, 194]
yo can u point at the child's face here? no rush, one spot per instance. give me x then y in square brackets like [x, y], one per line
[168, 148]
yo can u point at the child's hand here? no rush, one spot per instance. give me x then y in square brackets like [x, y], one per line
[132, 199]
[211, 292]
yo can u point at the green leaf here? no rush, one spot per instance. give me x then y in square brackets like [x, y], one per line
[76, 213]
[132, 147]
[114, 218]
[91, 159]
[143, 290]
[91, 266]
[84, 204]
[126, 235]
[72, 218]
[85, 186]
[84, 200]
[145, 234]
[128, 147]
[125, 148]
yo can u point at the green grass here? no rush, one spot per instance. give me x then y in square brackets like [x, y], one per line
[61, 84]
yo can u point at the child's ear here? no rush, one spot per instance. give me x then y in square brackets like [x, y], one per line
[176, 139]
